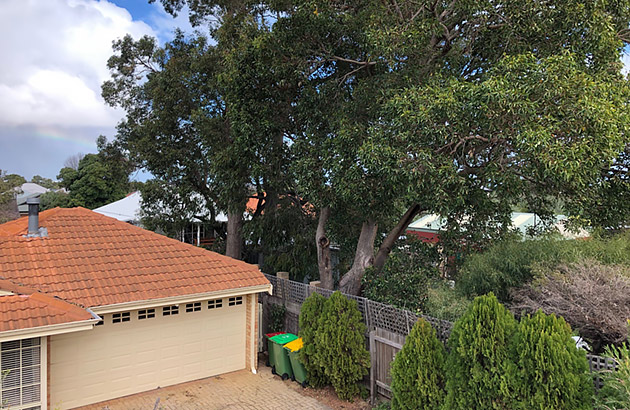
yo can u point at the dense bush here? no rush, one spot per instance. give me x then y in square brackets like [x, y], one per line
[340, 345]
[309, 327]
[594, 298]
[277, 314]
[403, 281]
[548, 371]
[615, 394]
[479, 357]
[511, 263]
[444, 302]
[418, 370]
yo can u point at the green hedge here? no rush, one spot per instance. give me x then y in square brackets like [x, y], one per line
[334, 350]
[495, 362]
[418, 370]
[548, 372]
[476, 370]
[309, 327]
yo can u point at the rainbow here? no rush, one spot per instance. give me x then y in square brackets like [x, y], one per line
[52, 134]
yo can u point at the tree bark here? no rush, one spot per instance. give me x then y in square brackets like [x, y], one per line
[363, 258]
[323, 250]
[234, 241]
[394, 234]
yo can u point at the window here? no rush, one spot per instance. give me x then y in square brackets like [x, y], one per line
[101, 322]
[170, 310]
[212, 304]
[193, 307]
[146, 314]
[121, 317]
[237, 300]
[20, 363]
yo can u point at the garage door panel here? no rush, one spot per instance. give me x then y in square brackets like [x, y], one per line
[115, 360]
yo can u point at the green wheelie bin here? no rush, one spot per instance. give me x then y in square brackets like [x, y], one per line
[268, 347]
[281, 363]
[299, 372]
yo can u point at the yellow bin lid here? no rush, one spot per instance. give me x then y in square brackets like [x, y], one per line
[295, 345]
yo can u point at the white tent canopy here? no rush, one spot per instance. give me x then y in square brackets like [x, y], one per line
[126, 209]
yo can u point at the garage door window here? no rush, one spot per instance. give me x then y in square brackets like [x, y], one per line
[20, 361]
[146, 314]
[193, 307]
[121, 317]
[238, 300]
[170, 310]
[215, 304]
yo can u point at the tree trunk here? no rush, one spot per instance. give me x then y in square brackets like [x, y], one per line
[363, 258]
[323, 250]
[394, 234]
[234, 241]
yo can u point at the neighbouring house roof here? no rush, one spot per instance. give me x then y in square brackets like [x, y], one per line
[93, 260]
[522, 221]
[37, 310]
[28, 190]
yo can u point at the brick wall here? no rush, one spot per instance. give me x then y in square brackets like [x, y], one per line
[251, 333]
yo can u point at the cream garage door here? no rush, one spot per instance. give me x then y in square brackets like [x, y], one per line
[141, 350]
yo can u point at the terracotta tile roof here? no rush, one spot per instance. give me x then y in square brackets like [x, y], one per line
[93, 260]
[36, 310]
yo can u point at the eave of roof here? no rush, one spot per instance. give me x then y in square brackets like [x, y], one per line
[37, 314]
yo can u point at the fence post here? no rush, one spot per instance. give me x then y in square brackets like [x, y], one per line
[372, 368]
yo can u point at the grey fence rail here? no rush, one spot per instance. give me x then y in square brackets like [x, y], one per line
[375, 314]
[378, 315]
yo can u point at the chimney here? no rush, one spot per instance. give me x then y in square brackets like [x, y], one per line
[33, 216]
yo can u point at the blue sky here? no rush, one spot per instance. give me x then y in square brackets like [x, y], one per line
[54, 62]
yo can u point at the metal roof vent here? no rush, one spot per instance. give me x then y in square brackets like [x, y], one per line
[33, 219]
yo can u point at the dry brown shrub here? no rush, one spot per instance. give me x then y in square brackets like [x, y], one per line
[593, 298]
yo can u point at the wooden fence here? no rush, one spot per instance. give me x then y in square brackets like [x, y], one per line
[387, 328]
[384, 346]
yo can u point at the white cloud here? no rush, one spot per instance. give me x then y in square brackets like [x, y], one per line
[54, 60]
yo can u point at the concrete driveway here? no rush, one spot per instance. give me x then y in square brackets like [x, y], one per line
[237, 390]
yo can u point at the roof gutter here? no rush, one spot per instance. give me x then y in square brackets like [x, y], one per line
[49, 330]
[172, 300]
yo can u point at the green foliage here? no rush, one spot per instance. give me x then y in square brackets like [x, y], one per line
[45, 182]
[444, 302]
[403, 281]
[615, 394]
[9, 188]
[461, 108]
[548, 371]
[53, 199]
[99, 179]
[418, 370]
[310, 313]
[479, 357]
[512, 263]
[276, 318]
[340, 344]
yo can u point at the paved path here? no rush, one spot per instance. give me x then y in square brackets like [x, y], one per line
[237, 390]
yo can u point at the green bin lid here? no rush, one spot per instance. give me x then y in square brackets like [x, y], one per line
[283, 338]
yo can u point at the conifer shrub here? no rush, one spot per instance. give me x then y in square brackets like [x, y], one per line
[615, 393]
[479, 357]
[418, 370]
[340, 344]
[548, 371]
[310, 313]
